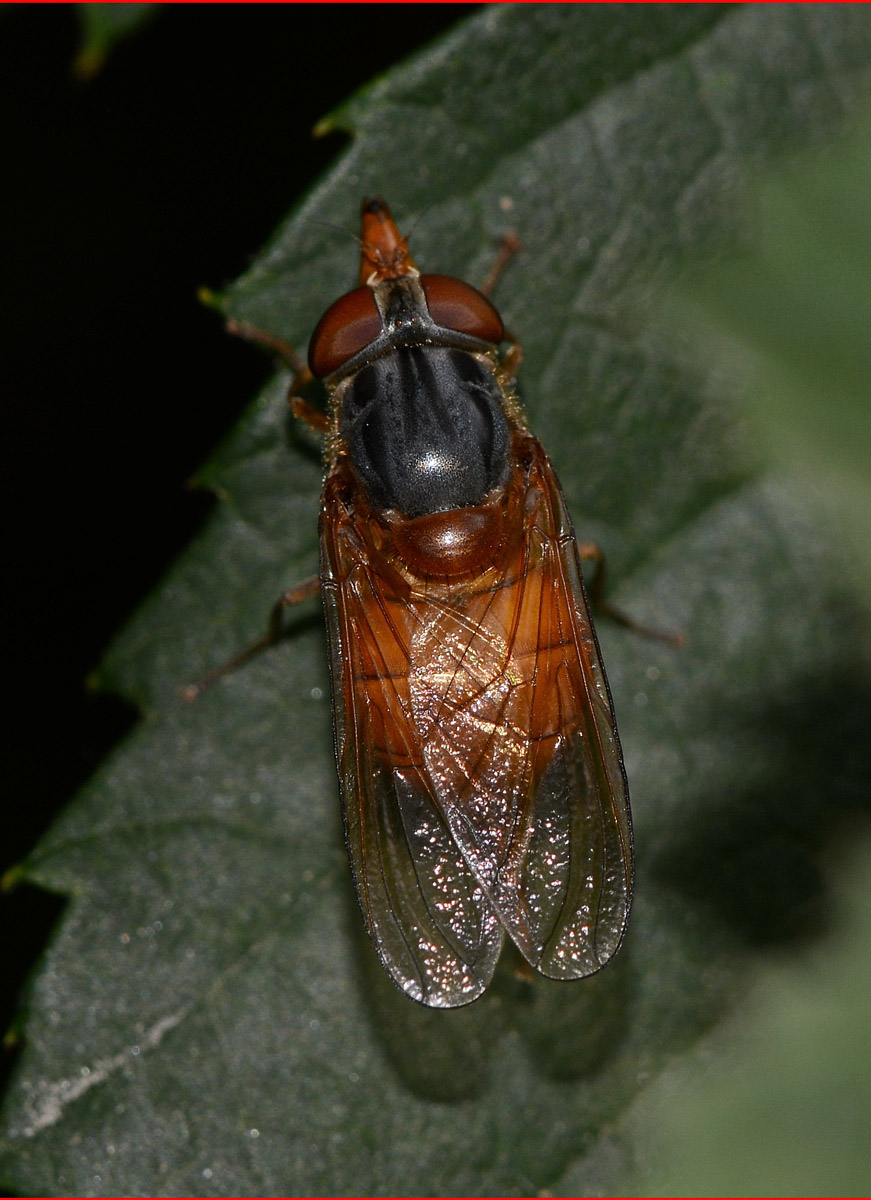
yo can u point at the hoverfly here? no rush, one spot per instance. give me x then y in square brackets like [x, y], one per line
[482, 781]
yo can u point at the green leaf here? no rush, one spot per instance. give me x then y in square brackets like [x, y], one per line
[103, 26]
[209, 1018]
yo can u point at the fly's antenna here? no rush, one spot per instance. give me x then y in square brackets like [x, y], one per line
[334, 226]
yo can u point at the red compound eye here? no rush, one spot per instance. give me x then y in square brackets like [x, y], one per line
[346, 328]
[457, 305]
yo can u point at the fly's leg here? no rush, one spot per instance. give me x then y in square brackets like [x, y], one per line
[294, 595]
[513, 357]
[302, 376]
[508, 247]
[588, 551]
[302, 410]
[276, 346]
[317, 421]
[287, 356]
[591, 552]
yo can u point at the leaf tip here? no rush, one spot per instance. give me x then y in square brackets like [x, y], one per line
[217, 301]
[324, 126]
[12, 877]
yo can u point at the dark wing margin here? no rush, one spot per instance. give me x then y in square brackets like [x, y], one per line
[429, 920]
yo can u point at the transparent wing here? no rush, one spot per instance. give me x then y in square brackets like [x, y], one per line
[482, 781]
[576, 881]
[432, 925]
[519, 742]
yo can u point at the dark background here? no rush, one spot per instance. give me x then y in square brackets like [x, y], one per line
[122, 196]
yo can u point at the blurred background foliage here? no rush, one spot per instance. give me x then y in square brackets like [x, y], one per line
[778, 1100]
[792, 315]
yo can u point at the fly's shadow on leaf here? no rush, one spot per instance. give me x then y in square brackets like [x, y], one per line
[754, 860]
[570, 1030]
[575, 1029]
